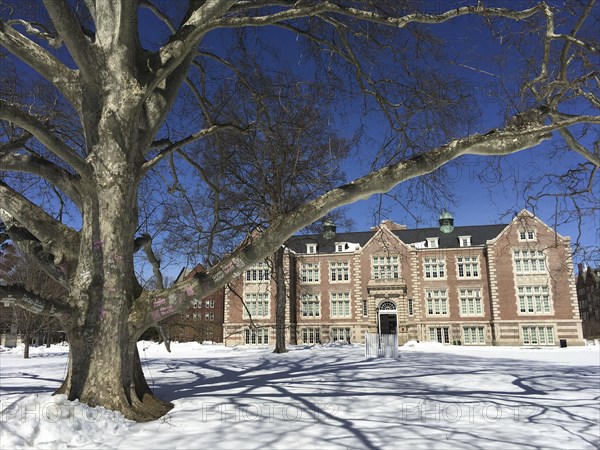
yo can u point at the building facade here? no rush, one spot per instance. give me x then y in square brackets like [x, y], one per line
[505, 284]
[588, 295]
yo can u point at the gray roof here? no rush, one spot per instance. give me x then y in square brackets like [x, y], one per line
[479, 235]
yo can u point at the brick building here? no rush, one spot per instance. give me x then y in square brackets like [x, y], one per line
[203, 321]
[588, 295]
[505, 284]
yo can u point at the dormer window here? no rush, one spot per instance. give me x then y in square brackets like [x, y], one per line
[433, 242]
[311, 248]
[526, 235]
[464, 241]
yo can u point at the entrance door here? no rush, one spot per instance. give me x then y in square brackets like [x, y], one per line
[388, 323]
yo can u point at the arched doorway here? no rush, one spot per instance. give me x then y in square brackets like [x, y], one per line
[387, 318]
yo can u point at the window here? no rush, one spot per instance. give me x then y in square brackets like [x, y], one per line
[339, 271]
[538, 335]
[258, 273]
[340, 304]
[311, 248]
[437, 302]
[257, 303]
[468, 266]
[529, 261]
[311, 335]
[473, 335]
[210, 303]
[439, 334]
[464, 241]
[196, 304]
[470, 302]
[534, 299]
[195, 316]
[340, 334]
[385, 267]
[433, 242]
[526, 235]
[256, 336]
[410, 306]
[365, 308]
[209, 316]
[434, 267]
[310, 273]
[310, 305]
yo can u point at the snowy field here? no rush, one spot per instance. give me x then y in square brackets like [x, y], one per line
[432, 397]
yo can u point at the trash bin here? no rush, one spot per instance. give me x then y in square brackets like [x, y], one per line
[563, 343]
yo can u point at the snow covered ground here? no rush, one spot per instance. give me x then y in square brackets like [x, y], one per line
[321, 397]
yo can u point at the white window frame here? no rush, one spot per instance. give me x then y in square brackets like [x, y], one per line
[436, 301]
[464, 241]
[311, 248]
[534, 300]
[210, 303]
[311, 335]
[340, 334]
[258, 273]
[473, 335]
[470, 302]
[340, 304]
[434, 267]
[526, 235]
[339, 271]
[433, 242]
[259, 305]
[529, 262]
[538, 334]
[256, 336]
[385, 267]
[210, 316]
[439, 334]
[469, 266]
[310, 306]
[310, 272]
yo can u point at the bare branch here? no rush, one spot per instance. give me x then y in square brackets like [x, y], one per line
[43, 62]
[69, 29]
[30, 301]
[32, 124]
[157, 12]
[56, 238]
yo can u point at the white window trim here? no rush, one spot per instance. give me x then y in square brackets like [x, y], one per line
[433, 242]
[316, 298]
[245, 308]
[534, 313]
[391, 264]
[481, 299]
[476, 263]
[447, 313]
[464, 238]
[437, 262]
[331, 305]
[311, 249]
[339, 262]
[318, 270]
[530, 235]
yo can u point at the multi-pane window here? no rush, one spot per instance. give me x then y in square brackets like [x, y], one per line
[257, 303]
[340, 304]
[529, 261]
[474, 335]
[439, 334]
[340, 334]
[465, 241]
[310, 273]
[209, 316]
[365, 308]
[210, 303]
[311, 335]
[339, 271]
[196, 304]
[256, 336]
[258, 273]
[437, 302]
[534, 299]
[310, 305]
[468, 266]
[526, 235]
[538, 335]
[434, 267]
[410, 307]
[385, 267]
[311, 248]
[470, 302]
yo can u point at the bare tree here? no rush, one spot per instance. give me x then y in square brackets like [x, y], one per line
[18, 273]
[116, 84]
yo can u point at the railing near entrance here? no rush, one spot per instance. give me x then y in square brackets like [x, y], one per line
[385, 345]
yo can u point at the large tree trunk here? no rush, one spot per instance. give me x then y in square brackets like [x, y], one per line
[104, 365]
[26, 341]
[280, 302]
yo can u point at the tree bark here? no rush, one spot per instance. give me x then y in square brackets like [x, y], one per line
[26, 341]
[280, 301]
